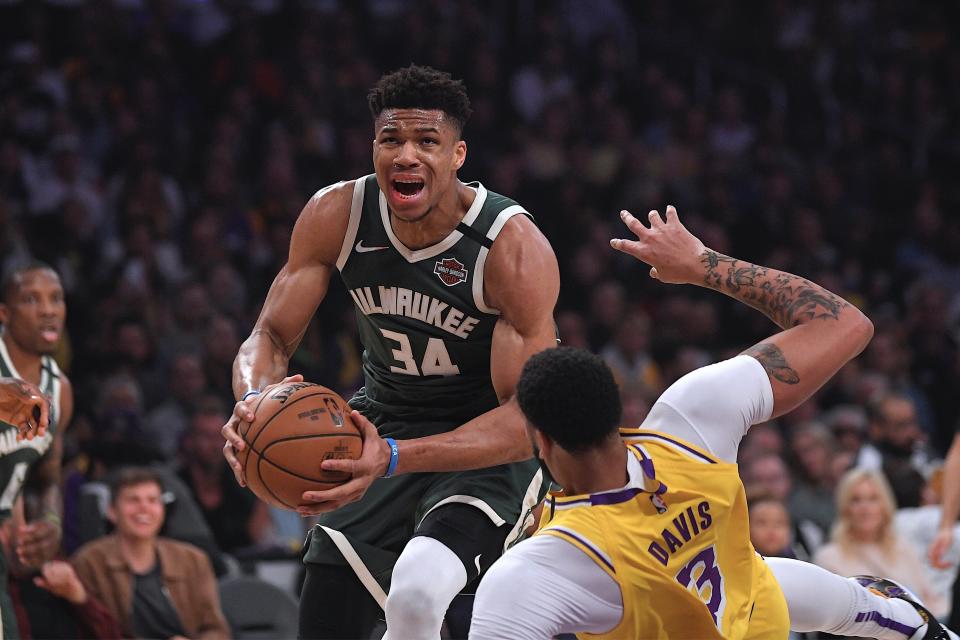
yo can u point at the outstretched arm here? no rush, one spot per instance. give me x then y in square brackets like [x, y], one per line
[950, 506]
[821, 331]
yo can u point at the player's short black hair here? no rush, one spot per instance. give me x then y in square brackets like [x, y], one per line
[8, 285]
[570, 395]
[417, 87]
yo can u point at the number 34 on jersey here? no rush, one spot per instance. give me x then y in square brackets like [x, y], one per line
[399, 301]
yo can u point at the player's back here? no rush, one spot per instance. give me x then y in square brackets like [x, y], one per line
[676, 541]
[424, 324]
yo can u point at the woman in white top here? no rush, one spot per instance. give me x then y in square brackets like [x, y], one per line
[864, 540]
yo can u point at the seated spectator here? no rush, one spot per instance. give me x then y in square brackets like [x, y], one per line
[237, 519]
[897, 447]
[920, 525]
[767, 475]
[865, 542]
[848, 424]
[155, 587]
[770, 527]
[55, 604]
[812, 498]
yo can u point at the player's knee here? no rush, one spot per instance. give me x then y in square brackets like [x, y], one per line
[413, 605]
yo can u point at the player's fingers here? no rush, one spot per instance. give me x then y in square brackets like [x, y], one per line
[243, 410]
[633, 224]
[672, 216]
[229, 431]
[343, 466]
[297, 377]
[41, 415]
[629, 247]
[235, 466]
[655, 219]
[367, 428]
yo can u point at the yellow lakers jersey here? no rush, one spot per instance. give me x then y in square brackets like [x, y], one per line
[677, 543]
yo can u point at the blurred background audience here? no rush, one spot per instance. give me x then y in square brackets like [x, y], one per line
[157, 153]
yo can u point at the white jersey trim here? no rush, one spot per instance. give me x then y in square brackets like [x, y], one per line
[530, 499]
[433, 250]
[469, 500]
[492, 234]
[356, 207]
[363, 574]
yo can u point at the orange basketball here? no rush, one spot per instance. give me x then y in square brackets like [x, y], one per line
[296, 426]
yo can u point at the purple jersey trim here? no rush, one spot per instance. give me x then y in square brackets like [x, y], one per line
[596, 552]
[676, 442]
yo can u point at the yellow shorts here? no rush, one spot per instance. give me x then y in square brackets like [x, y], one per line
[769, 619]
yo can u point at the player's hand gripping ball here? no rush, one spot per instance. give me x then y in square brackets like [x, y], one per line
[296, 427]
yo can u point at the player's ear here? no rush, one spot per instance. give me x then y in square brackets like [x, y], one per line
[543, 443]
[459, 154]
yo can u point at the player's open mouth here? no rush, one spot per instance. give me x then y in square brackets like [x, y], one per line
[407, 187]
[50, 334]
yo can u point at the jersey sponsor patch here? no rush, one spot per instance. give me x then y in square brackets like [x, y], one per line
[450, 271]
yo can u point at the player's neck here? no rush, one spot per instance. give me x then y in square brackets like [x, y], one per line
[27, 364]
[442, 219]
[603, 469]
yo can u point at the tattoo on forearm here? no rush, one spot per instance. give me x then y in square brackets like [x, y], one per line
[785, 298]
[774, 363]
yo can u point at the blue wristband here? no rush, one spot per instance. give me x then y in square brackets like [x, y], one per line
[394, 457]
[252, 392]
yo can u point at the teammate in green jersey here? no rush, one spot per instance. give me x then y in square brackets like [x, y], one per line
[32, 314]
[454, 288]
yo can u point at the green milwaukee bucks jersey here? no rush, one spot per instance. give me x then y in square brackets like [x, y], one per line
[16, 458]
[425, 327]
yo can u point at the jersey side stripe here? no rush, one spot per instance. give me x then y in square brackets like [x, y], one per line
[356, 207]
[690, 452]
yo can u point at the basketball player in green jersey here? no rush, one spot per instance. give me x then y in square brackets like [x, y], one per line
[32, 314]
[454, 288]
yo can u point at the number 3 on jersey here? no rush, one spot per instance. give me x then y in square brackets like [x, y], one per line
[436, 360]
[702, 576]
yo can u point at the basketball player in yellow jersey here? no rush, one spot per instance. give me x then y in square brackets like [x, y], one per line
[650, 538]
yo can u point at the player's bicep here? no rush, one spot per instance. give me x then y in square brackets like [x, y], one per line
[714, 406]
[301, 284]
[522, 280]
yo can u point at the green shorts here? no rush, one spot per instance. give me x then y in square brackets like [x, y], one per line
[380, 524]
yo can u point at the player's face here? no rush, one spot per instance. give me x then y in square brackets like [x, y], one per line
[416, 154]
[138, 511]
[865, 511]
[35, 313]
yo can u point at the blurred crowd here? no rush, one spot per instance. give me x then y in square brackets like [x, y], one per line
[158, 152]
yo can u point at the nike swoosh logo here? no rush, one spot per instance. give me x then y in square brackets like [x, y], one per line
[362, 249]
[476, 561]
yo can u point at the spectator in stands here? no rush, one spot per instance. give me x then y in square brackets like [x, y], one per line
[238, 520]
[155, 587]
[770, 527]
[896, 447]
[812, 498]
[921, 525]
[864, 540]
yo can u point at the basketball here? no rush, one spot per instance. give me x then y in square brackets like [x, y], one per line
[296, 426]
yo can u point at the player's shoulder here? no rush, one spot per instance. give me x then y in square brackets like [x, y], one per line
[333, 199]
[521, 254]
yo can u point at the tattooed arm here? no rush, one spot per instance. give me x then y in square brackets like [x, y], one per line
[820, 331]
